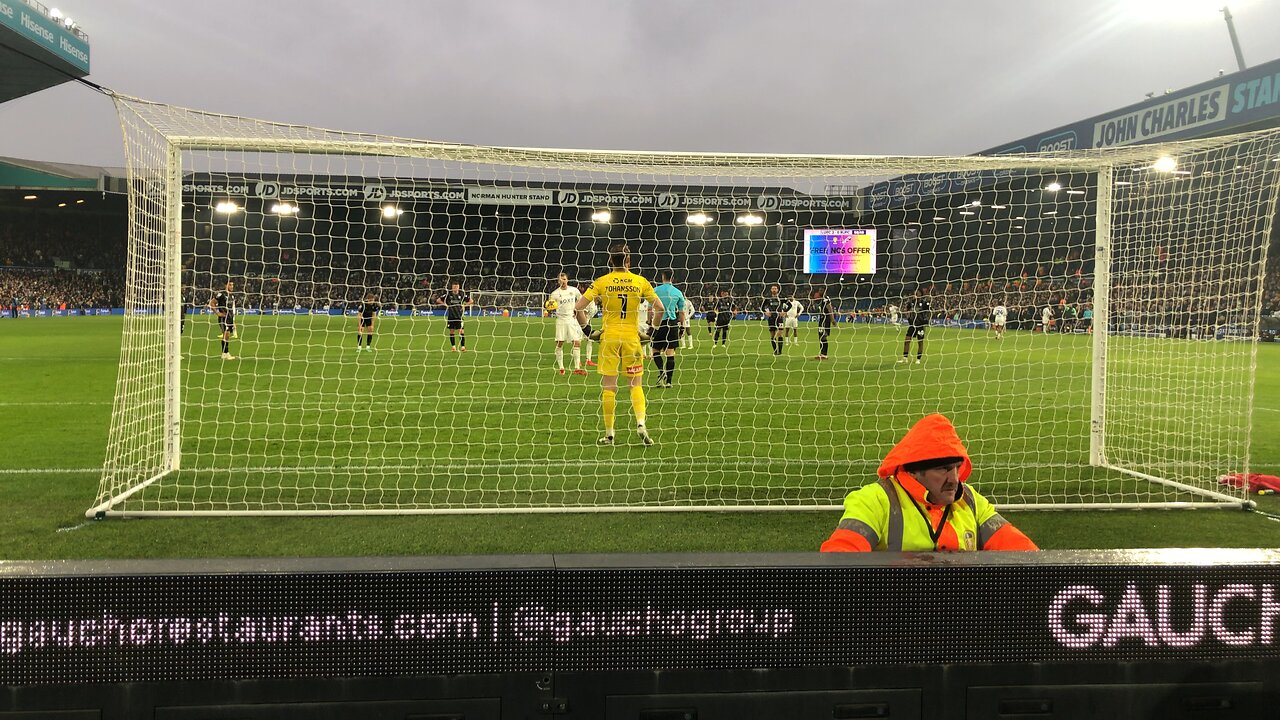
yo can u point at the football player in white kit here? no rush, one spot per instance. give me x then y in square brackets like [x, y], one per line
[588, 314]
[791, 322]
[568, 324]
[999, 314]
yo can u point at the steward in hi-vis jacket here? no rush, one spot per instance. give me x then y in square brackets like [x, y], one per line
[922, 502]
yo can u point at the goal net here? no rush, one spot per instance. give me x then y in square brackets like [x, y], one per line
[1123, 375]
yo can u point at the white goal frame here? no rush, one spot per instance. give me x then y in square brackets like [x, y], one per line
[149, 460]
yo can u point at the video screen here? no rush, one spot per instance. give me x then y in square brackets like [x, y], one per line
[840, 252]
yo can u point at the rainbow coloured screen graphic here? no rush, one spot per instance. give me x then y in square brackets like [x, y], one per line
[842, 252]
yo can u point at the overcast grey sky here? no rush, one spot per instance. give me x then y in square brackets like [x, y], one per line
[829, 76]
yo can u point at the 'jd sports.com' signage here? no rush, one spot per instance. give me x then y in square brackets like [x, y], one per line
[477, 195]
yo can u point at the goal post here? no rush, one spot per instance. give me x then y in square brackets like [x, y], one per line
[1123, 377]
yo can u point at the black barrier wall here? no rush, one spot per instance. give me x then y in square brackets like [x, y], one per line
[591, 635]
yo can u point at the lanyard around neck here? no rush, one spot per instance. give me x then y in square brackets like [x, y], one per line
[933, 534]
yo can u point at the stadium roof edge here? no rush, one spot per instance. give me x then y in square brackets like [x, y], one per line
[19, 173]
[1226, 104]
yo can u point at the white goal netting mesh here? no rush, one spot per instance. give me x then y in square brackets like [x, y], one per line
[1123, 373]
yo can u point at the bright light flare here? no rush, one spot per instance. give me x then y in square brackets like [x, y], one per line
[1177, 11]
[698, 218]
[1165, 164]
[226, 207]
[749, 220]
[601, 216]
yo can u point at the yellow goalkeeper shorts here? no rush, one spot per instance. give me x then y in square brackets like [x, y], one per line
[621, 356]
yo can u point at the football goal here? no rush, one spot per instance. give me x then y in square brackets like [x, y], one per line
[1128, 280]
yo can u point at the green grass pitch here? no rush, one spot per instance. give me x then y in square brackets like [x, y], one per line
[306, 413]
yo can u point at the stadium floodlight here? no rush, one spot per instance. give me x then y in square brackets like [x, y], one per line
[391, 211]
[226, 207]
[939, 218]
[1165, 163]
[1053, 187]
[698, 218]
[80, 202]
[968, 212]
[999, 207]
[1121, 183]
[55, 13]
[1146, 411]
[976, 203]
[68, 23]
[1075, 192]
[1049, 212]
[284, 209]
[62, 204]
[601, 216]
[30, 197]
[749, 219]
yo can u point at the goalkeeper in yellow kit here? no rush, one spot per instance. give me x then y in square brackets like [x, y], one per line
[619, 294]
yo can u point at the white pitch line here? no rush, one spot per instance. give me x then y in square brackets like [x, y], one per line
[47, 471]
[1259, 407]
[57, 402]
[73, 528]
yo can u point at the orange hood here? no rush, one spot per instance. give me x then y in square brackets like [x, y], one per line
[932, 437]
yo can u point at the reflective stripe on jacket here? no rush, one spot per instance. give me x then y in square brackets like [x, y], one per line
[891, 515]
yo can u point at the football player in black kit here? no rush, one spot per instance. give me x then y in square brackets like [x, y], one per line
[771, 307]
[825, 312]
[364, 322]
[918, 312]
[223, 305]
[725, 311]
[454, 301]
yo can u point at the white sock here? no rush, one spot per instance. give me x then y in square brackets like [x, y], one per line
[577, 358]
[589, 344]
[560, 358]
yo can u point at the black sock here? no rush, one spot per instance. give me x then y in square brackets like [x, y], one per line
[462, 340]
[226, 347]
[671, 369]
[359, 339]
[822, 346]
[453, 341]
[368, 339]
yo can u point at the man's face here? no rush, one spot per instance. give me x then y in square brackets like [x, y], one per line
[231, 286]
[564, 281]
[941, 482]
[456, 287]
[773, 289]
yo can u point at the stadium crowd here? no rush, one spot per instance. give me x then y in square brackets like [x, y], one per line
[51, 262]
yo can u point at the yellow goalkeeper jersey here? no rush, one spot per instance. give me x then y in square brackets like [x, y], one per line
[619, 294]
